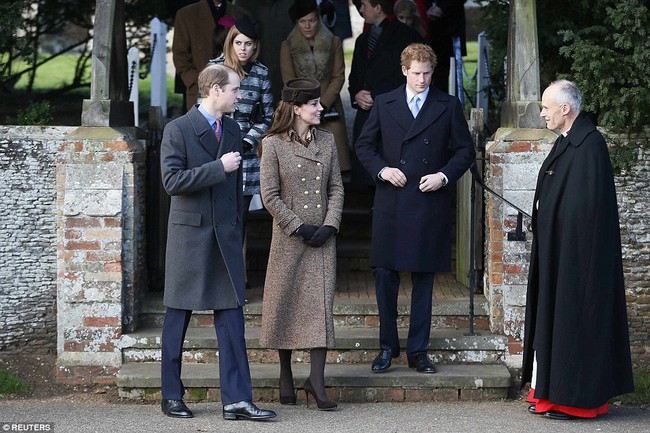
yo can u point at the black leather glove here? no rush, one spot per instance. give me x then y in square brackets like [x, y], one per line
[321, 236]
[306, 231]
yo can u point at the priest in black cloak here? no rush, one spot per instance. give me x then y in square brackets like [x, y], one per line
[576, 343]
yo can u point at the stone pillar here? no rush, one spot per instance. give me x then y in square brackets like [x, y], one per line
[109, 103]
[514, 158]
[100, 249]
[521, 109]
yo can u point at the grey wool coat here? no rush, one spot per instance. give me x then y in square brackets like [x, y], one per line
[300, 185]
[204, 267]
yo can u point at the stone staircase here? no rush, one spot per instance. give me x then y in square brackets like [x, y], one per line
[469, 367]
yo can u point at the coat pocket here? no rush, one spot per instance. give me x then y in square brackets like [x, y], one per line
[185, 218]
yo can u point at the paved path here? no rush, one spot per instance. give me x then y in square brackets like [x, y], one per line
[457, 417]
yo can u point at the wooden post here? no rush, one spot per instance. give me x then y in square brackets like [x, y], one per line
[134, 82]
[158, 65]
[483, 75]
[108, 104]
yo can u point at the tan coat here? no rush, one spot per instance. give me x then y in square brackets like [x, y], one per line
[300, 185]
[325, 64]
[196, 41]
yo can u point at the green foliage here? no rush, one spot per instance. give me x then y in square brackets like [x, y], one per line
[641, 394]
[611, 66]
[36, 113]
[10, 384]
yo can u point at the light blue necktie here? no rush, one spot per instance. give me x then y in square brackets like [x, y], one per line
[415, 106]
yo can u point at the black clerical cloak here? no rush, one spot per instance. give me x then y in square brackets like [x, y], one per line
[576, 317]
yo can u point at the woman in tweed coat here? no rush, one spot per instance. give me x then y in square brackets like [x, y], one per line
[254, 111]
[312, 51]
[303, 191]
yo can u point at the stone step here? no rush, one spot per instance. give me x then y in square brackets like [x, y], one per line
[353, 346]
[351, 309]
[345, 383]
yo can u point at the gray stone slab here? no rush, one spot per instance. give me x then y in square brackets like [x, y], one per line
[346, 339]
[147, 375]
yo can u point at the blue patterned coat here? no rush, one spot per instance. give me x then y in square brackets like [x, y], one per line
[255, 87]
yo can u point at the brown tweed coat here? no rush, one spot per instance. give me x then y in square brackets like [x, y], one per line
[324, 63]
[300, 185]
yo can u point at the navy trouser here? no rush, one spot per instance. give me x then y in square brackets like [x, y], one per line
[387, 289]
[234, 372]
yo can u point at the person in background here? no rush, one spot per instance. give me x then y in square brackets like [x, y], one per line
[446, 21]
[254, 112]
[312, 51]
[406, 12]
[576, 341]
[414, 144]
[200, 159]
[275, 26]
[199, 32]
[303, 191]
[375, 66]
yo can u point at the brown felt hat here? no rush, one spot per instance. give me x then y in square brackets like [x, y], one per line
[300, 8]
[300, 90]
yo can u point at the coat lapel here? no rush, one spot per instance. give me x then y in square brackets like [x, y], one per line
[311, 152]
[399, 109]
[204, 132]
[433, 108]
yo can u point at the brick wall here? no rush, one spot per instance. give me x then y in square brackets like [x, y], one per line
[72, 244]
[514, 160]
[100, 249]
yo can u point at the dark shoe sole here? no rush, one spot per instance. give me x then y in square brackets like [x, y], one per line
[239, 416]
[171, 415]
[560, 416]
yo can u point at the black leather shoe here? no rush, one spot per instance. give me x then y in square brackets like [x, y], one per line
[532, 409]
[176, 409]
[382, 361]
[553, 414]
[246, 410]
[421, 363]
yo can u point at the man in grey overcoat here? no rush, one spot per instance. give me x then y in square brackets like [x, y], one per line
[204, 270]
[415, 142]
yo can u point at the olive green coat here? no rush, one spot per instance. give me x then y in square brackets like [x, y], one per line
[300, 185]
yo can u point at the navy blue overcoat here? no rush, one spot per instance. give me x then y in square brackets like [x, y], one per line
[411, 230]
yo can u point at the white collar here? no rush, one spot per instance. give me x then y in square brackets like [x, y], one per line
[410, 95]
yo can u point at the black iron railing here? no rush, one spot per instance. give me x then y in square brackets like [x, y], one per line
[517, 235]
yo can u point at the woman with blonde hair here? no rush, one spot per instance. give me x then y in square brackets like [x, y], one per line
[303, 192]
[254, 112]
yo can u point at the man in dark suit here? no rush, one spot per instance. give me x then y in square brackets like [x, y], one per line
[204, 269]
[415, 142]
[375, 64]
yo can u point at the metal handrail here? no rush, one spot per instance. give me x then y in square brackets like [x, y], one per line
[518, 235]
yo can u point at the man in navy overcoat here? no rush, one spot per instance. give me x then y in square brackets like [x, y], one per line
[415, 142]
[204, 270]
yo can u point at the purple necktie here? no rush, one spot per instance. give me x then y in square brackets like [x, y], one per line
[217, 129]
